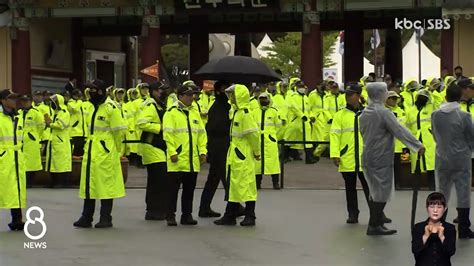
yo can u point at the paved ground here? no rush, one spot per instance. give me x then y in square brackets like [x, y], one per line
[295, 227]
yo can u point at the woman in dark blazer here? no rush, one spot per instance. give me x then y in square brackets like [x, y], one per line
[434, 240]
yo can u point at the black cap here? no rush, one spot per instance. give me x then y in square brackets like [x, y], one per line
[47, 92]
[187, 90]
[465, 82]
[37, 92]
[353, 88]
[8, 94]
[25, 98]
[98, 84]
[158, 86]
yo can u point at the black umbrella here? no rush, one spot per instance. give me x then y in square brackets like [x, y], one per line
[238, 69]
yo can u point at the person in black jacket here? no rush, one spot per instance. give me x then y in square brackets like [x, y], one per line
[218, 132]
[434, 240]
[218, 142]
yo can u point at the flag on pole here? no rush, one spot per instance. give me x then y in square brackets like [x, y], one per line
[152, 71]
[419, 33]
[375, 39]
[341, 42]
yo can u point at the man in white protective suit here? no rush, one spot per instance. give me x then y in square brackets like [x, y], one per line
[379, 126]
[454, 135]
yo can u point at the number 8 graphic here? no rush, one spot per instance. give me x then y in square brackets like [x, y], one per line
[30, 221]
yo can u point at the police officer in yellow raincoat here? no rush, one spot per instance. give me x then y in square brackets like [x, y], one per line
[32, 131]
[12, 170]
[153, 150]
[408, 95]
[466, 103]
[101, 171]
[346, 149]
[278, 99]
[45, 109]
[186, 139]
[268, 121]
[78, 127]
[300, 116]
[433, 85]
[392, 104]
[418, 119]
[58, 150]
[332, 102]
[129, 110]
[244, 149]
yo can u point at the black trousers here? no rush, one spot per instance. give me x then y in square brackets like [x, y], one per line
[156, 188]
[105, 208]
[78, 146]
[16, 215]
[61, 179]
[376, 213]
[275, 179]
[396, 169]
[189, 184]
[217, 173]
[431, 180]
[233, 208]
[30, 176]
[350, 179]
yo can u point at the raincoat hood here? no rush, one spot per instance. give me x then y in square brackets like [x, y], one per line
[278, 87]
[363, 81]
[378, 93]
[132, 94]
[448, 80]
[433, 83]
[242, 95]
[59, 100]
[266, 95]
[87, 93]
[449, 107]
[408, 87]
[116, 92]
[291, 84]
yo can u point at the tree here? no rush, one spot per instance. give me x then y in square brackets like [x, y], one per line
[285, 54]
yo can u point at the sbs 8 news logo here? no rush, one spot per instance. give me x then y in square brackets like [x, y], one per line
[36, 221]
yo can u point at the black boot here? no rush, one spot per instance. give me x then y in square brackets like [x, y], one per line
[287, 154]
[295, 154]
[379, 231]
[226, 219]
[154, 216]
[240, 210]
[54, 180]
[171, 220]
[309, 159]
[376, 226]
[85, 221]
[250, 218]
[386, 220]
[464, 224]
[208, 212]
[187, 219]
[353, 218]
[229, 217]
[105, 214]
[17, 223]
[276, 182]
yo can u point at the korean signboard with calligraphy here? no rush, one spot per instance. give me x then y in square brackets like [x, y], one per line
[189, 5]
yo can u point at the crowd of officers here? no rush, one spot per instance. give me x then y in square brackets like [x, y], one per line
[174, 131]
